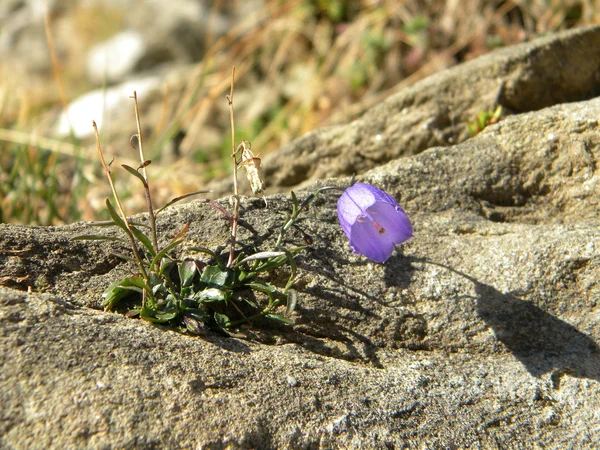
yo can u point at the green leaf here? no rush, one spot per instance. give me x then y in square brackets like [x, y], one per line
[136, 174]
[244, 277]
[294, 198]
[308, 200]
[241, 255]
[265, 288]
[481, 119]
[261, 255]
[472, 129]
[166, 264]
[121, 289]
[187, 292]
[497, 112]
[292, 262]
[221, 319]
[154, 279]
[115, 216]
[203, 250]
[214, 276]
[292, 300]
[250, 302]
[294, 204]
[280, 318]
[275, 260]
[163, 311]
[153, 316]
[177, 199]
[143, 239]
[272, 263]
[187, 271]
[159, 291]
[160, 255]
[209, 295]
[165, 316]
[417, 24]
[136, 233]
[123, 257]
[138, 282]
[131, 288]
[110, 223]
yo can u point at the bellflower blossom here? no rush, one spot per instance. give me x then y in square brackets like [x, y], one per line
[373, 221]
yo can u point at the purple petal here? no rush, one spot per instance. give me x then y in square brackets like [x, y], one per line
[373, 221]
[353, 202]
[366, 241]
[376, 238]
[348, 209]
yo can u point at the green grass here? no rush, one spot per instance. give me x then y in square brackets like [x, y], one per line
[34, 187]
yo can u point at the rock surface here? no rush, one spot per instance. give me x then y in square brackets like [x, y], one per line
[482, 331]
[559, 68]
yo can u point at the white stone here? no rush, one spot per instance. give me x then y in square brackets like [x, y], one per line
[102, 106]
[115, 58]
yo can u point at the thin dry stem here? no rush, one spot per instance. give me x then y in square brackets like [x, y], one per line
[54, 59]
[151, 215]
[121, 211]
[139, 135]
[236, 199]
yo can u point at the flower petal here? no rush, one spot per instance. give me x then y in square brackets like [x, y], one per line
[373, 221]
[366, 240]
[348, 209]
[393, 220]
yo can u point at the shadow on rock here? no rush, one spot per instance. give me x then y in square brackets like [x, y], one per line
[228, 344]
[335, 316]
[336, 320]
[398, 270]
[542, 342]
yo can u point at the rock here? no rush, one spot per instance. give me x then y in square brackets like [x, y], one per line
[159, 33]
[110, 108]
[482, 331]
[558, 68]
[114, 59]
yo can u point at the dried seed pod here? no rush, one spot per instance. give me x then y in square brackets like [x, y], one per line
[252, 165]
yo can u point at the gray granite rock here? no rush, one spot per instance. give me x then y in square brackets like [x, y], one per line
[482, 331]
[558, 68]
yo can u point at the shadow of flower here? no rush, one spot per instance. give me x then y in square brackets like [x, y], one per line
[541, 342]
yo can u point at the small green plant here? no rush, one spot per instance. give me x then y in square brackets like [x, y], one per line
[190, 294]
[484, 118]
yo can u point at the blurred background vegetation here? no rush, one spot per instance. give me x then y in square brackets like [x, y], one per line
[300, 65]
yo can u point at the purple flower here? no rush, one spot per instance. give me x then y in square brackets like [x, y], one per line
[373, 221]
